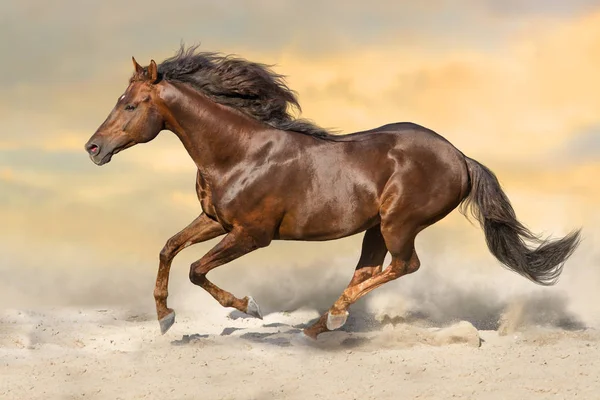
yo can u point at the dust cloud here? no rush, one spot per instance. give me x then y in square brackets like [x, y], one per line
[444, 291]
[91, 331]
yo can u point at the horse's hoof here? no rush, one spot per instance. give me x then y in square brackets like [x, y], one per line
[336, 321]
[253, 309]
[166, 322]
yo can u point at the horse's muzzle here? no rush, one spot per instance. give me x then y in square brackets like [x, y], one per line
[95, 152]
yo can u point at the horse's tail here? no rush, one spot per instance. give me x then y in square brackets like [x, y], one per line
[505, 235]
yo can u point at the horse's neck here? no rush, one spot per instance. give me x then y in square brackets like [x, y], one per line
[215, 137]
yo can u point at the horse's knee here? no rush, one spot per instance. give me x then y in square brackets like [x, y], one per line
[196, 274]
[166, 254]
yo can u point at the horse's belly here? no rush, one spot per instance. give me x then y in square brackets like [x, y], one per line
[327, 223]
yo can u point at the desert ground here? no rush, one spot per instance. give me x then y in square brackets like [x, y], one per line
[431, 335]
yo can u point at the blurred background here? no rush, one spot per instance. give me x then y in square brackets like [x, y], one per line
[513, 84]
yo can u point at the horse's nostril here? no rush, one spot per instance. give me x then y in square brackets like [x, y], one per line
[93, 149]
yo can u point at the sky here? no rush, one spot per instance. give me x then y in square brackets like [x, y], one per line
[513, 84]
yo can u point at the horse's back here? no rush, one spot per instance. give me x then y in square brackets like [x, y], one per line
[431, 176]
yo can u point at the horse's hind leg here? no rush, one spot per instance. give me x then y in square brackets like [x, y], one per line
[399, 239]
[398, 267]
[371, 259]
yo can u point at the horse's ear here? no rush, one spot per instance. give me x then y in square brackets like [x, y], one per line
[138, 68]
[152, 71]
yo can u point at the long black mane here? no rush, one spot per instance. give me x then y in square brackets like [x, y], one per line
[249, 87]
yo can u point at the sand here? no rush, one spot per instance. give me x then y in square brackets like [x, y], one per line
[68, 353]
[92, 334]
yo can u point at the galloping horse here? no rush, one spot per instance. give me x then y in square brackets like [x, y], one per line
[264, 175]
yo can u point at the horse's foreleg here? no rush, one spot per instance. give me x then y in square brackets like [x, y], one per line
[237, 243]
[201, 229]
[371, 259]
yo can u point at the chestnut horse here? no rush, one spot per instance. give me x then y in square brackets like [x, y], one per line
[264, 175]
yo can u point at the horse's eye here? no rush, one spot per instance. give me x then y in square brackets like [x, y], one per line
[129, 107]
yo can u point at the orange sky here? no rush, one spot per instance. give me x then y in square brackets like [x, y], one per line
[514, 86]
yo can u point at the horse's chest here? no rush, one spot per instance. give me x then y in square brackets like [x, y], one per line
[205, 196]
[211, 200]
[208, 207]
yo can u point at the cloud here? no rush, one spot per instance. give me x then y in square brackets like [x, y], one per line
[582, 147]
[513, 104]
[367, 66]
[564, 9]
[29, 159]
[103, 30]
[513, 85]
[6, 174]
[74, 50]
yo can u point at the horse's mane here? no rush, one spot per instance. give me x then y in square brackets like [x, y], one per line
[249, 87]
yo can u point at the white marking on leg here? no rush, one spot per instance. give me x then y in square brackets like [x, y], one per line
[336, 321]
[187, 244]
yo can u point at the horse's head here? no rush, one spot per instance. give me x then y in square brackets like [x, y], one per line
[134, 119]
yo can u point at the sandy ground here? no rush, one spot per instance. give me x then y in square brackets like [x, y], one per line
[115, 354]
[479, 332]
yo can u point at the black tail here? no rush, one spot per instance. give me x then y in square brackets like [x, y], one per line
[505, 235]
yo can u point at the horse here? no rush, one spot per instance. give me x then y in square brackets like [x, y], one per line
[264, 175]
